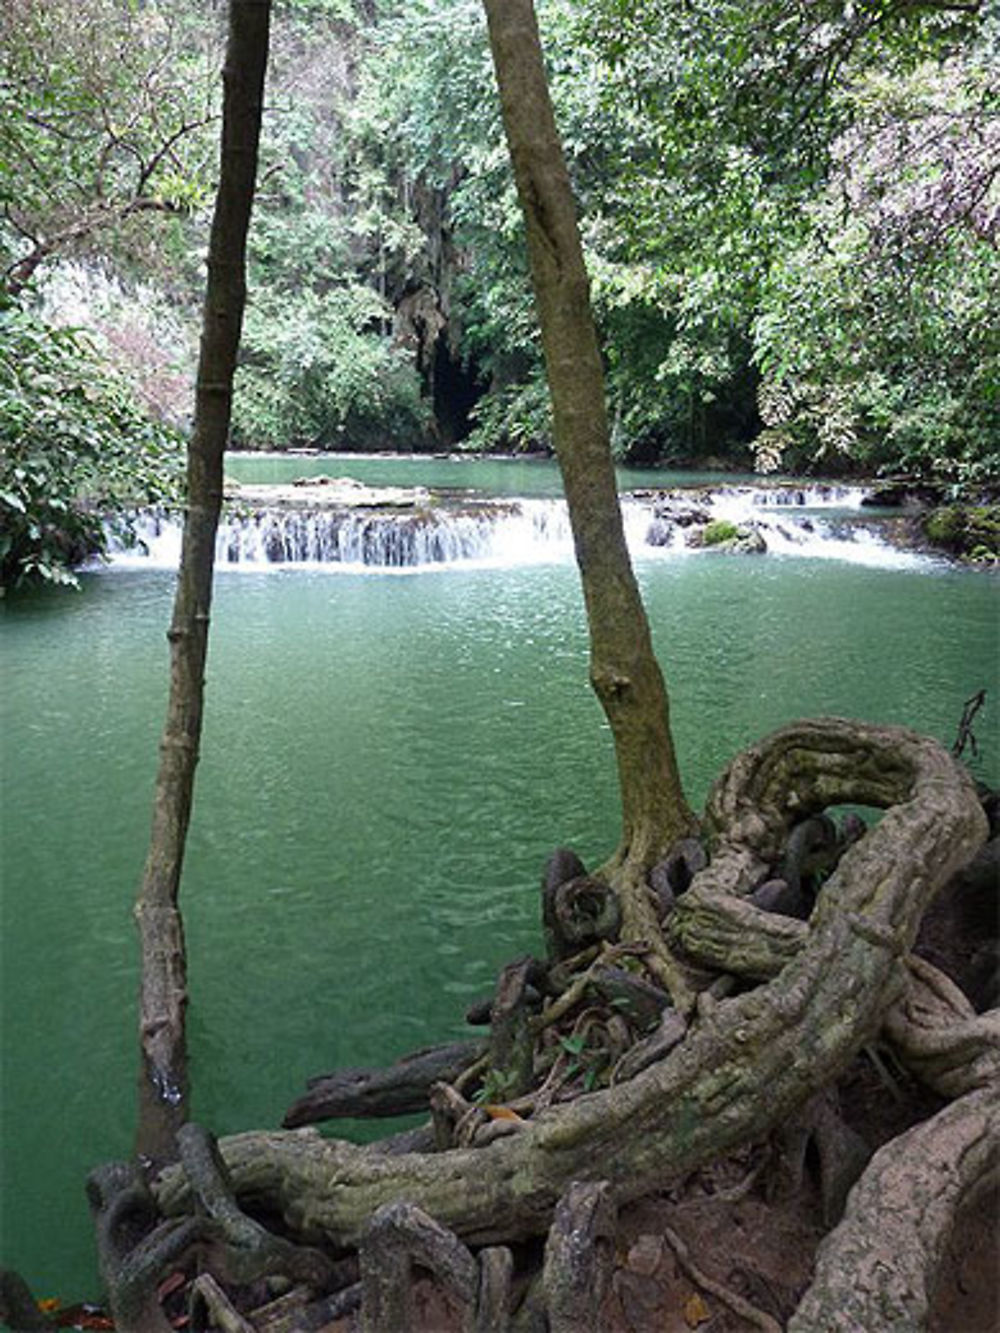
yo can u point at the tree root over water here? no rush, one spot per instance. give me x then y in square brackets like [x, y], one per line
[594, 1088]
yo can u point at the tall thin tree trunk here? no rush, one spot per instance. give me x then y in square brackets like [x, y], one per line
[623, 669]
[163, 1091]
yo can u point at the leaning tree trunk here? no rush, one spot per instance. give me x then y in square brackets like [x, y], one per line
[163, 1088]
[623, 669]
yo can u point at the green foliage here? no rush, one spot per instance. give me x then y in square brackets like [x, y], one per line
[741, 120]
[592, 1062]
[718, 531]
[513, 419]
[972, 531]
[344, 10]
[320, 363]
[877, 333]
[321, 370]
[107, 120]
[497, 1087]
[428, 121]
[673, 230]
[785, 211]
[77, 453]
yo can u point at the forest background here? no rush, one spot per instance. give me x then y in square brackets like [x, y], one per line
[790, 216]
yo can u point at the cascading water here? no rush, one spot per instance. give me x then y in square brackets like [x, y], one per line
[818, 522]
[521, 532]
[801, 497]
[390, 541]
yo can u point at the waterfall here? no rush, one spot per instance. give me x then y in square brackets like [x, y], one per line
[826, 522]
[518, 532]
[826, 496]
[816, 522]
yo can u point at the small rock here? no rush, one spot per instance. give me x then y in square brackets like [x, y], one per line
[639, 1296]
[646, 1255]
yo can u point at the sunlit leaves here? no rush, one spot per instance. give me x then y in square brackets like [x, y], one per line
[804, 192]
[878, 332]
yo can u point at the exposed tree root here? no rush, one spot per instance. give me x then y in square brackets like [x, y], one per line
[735, 1302]
[399, 1239]
[401, 1088]
[874, 1270]
[592, 1076]
[935, 1032]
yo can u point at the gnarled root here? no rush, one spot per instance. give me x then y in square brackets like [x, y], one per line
[136, 1249]
[18, 1307]
[399, 1239]
[873, 1270]
[744, 1064]
[245, 1251]
[400, 1089]
[936, 1034]
[579, 1257]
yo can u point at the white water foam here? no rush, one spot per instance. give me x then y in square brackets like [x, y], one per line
[527, 531]
[817, 523]
[520, 532]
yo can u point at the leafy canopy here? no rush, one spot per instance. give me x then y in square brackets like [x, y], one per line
[107, 112]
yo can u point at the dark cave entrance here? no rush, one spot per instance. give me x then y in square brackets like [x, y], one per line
[456, 389]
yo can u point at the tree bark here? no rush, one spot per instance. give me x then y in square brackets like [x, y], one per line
[873, 1271]
[401, 1088]
[399, 1240]
[246, 1251]
[135, 1249]
[163, 1085]
[623, 669]
[579, 1258]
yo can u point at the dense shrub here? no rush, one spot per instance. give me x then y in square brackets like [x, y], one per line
[970, 531]
[77, 454]
[320, 371]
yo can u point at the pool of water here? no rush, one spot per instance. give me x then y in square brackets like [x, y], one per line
[529, 476]
[386, 764]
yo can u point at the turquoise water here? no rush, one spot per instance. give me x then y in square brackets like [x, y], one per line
[387, 762]
[490, 476]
